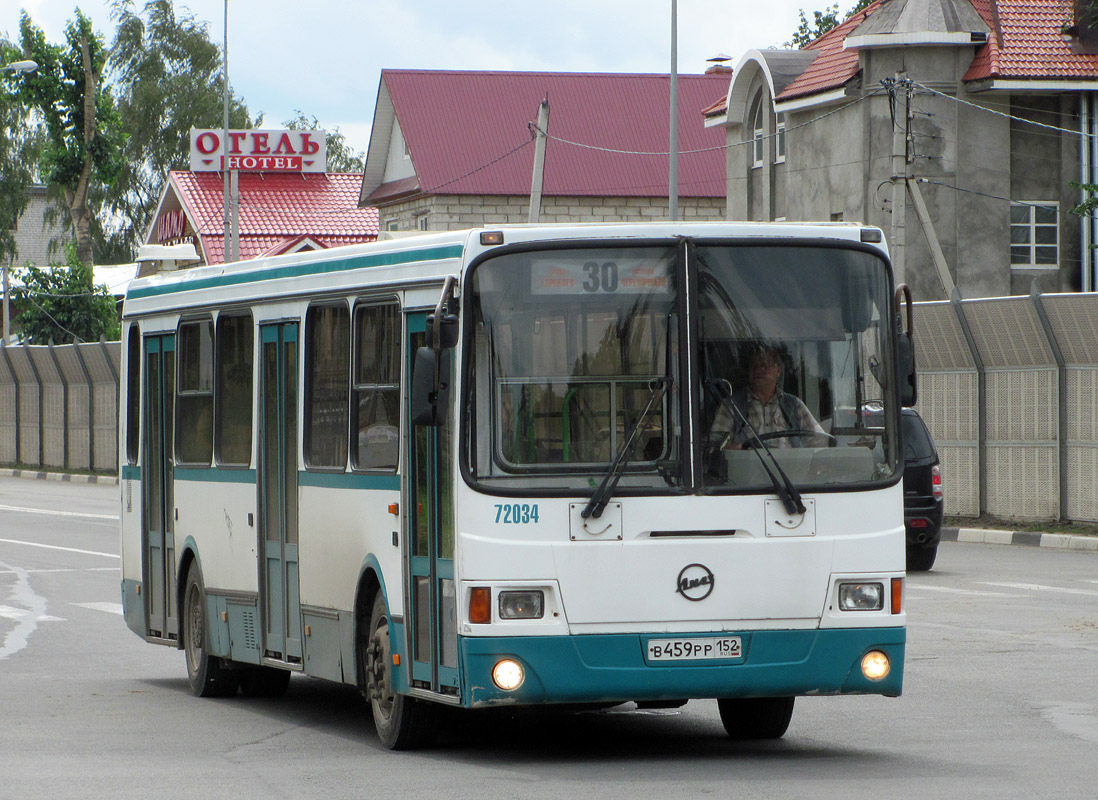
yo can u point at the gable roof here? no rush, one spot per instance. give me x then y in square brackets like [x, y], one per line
[468, 133]
[276, 211]
[835, 66]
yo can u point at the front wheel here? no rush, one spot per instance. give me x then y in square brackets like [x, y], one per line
[207, 674]
[756, 717]
[402, 722]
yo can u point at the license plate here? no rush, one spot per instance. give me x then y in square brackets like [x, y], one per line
[694, 649]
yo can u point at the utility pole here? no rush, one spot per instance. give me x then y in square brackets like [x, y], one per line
[901, 115]
[673, 165]
[541, 133]
[232, 194]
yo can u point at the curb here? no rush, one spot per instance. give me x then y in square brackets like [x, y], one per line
[62, 477]
[1062, 541]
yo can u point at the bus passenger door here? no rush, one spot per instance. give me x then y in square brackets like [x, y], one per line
[432, 624]
[159, 533]
[280, 599]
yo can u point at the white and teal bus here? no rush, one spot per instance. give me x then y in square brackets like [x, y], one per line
[476, 468]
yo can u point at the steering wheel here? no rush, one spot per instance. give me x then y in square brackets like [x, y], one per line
[798, 432]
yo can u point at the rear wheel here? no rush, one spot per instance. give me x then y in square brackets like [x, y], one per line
[756, 717]
[207, 674]
[402, 722]
[921, 559]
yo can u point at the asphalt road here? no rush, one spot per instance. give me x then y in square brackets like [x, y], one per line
[1000, 700]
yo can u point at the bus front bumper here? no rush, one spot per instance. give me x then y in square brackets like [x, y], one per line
[600, 668]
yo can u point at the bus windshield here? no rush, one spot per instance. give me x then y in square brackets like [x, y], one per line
[568, 347]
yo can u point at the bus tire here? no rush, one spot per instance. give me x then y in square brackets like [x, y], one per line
[207, 674]
[402, 722]
[264, 682]
[756, 717]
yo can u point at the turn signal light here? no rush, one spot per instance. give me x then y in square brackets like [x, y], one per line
[480, 605]
[897, 595]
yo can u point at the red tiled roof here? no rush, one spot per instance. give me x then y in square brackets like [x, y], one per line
[1026, 41]
[459, 125]
[834, 67]
[276, 210]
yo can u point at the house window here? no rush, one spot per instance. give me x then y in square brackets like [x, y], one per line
[759, 135]
[392, 225]
[1034, 234]
[779, 140]
[421, 222]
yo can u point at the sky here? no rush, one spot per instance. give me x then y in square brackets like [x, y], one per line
[324, 57]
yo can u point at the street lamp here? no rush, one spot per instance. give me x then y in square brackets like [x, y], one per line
[20, 66]
[17, 67]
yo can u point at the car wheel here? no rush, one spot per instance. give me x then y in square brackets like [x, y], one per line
[921, 559]
[756, 717]
[402, 722]
[207, 674]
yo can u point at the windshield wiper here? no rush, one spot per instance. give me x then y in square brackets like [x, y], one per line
[597, 504]
[784, 487]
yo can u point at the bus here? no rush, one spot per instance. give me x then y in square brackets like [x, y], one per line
[478, 468]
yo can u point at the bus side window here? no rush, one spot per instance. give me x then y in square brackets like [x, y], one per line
[194, 401]
[133, 393]
[376, 387]
[233, 390]
[327, 384]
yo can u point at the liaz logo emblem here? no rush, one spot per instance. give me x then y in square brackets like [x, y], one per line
[695, 582]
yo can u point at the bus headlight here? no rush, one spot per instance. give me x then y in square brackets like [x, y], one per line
[875, 665]
[508, 674]
[861, 596]
[521, 605]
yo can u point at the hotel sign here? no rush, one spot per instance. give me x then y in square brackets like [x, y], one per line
[259, 150]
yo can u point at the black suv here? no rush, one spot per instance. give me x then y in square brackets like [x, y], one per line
[923, 504]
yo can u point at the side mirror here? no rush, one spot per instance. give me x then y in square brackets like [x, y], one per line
[429, 401]
[906, 370]
[447, 331]
[905, 347]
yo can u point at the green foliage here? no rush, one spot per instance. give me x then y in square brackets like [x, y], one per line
[18, 153]
[169, 78]
[84, 137]
[822, 22]
[57, 304]
[341, 156]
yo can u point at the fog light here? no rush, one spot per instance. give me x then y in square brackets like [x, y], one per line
[508, 675]
[521, 605]
[875, 665]
[861, 596]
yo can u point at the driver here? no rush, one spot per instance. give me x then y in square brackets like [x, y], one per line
[767, 408]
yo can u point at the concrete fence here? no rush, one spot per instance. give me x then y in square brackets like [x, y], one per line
[1008, 387]
[59, 406]
[1009, 390]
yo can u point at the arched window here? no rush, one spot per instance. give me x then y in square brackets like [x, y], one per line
[758, 123]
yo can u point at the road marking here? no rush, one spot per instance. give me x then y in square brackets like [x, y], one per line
[28, 607]
[51, 571]
[1036, 587]
[110, 608]
[913, 587]
[27, 510]
[66, 549]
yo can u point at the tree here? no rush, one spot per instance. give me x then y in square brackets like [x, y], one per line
[18, 153]
[84, 136]
[822, 22]
[341, 156]
[60, 304]
[168, 76]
